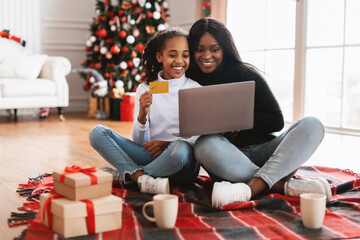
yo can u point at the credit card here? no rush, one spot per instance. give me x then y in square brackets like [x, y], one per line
[159, 87]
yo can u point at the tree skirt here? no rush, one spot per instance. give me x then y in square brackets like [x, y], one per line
[272, 216]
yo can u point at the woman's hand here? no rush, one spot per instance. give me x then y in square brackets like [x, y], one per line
[155, 147]
[145, 101]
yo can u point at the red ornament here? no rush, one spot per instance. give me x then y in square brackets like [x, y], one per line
[123, 19]
[207, 3]
[87, 49]
[103, 18]
[110, 40]
[106, 2]
[139, 47]
[115, 49]
[133, 54]
[130, 63]
[137, 10]
[122, 34]
[149, 14]
[120, 12]
[110, 14]
[99, 57]
[97, 65]
[101, 33]
[124, 49]
[85, 62]
[106, 75]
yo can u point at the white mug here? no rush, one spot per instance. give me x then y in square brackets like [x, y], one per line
[165, 210]
[312, 207]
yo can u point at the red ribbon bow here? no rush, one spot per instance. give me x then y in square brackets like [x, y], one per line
[77, 169]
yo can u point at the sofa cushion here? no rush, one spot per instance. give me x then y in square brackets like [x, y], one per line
[23, 66]
[9, 47]
[13, 87]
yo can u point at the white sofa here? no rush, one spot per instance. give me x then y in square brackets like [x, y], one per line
[32, 80]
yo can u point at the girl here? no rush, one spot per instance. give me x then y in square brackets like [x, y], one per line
[247, 163]
[155, 156]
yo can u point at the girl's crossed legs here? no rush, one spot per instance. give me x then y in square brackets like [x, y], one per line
[176, 162]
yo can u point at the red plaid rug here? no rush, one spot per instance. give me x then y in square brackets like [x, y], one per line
[273, 216]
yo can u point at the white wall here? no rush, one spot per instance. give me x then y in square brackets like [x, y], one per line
[61, 28]
[65, 28]
[182, 13]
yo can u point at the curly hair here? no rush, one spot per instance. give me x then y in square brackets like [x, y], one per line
[156, 44]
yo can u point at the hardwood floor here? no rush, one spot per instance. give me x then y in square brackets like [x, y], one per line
[32, 146]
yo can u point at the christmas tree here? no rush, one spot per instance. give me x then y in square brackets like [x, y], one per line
[119, 33]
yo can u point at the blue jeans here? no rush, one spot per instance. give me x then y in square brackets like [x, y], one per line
[176, 162]
[271, 161]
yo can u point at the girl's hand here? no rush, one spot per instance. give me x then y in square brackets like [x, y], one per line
[145, 101]
[155, 147]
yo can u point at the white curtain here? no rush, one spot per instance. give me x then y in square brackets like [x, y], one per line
[22, 18]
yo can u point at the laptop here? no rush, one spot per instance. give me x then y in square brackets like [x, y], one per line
[216, 109]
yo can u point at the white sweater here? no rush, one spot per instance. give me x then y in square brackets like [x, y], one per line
[163, 117]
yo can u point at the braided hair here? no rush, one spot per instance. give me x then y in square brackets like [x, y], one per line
[156, 44]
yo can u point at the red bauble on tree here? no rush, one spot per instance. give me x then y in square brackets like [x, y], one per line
[115, 49]
[123, 19]
[130, 63]
[133, 54]
[122, 34]
[140, 48]
[101, 33]
[124, 49]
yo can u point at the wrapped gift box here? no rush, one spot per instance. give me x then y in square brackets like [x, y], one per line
[74, 218]
[127, 107]
[80, 185]
[93, 106]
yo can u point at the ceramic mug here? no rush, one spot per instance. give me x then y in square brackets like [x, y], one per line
[165, 210]
[312, 207]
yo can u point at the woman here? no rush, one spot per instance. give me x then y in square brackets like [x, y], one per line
[248, 162]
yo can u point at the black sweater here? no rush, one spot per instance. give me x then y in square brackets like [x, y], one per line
[268, 117]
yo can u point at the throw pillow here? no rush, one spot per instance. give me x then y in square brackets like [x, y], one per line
[24, 66]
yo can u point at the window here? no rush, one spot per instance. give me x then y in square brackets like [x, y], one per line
[328, 49]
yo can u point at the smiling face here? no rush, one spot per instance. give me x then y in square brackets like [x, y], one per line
[208, 54]
[174, 57]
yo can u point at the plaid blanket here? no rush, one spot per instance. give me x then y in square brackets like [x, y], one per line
[272, 216]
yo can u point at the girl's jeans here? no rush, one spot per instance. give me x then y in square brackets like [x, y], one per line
[270, 161]
[176, 162]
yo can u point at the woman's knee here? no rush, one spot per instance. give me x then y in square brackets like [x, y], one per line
[96, 135]
[313, 125]
[205, 145]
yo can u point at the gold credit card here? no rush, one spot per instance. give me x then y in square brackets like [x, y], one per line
[159, 87]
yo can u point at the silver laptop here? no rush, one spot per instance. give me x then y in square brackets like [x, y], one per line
[216, 108]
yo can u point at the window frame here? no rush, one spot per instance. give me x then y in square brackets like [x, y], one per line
[300, 51]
